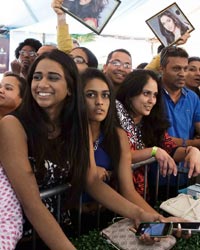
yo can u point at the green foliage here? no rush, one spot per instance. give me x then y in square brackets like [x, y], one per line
[90, 37]
[92, 241]
[192, 243]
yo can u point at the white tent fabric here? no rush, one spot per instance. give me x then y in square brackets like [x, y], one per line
[37, 17]
[129, 18]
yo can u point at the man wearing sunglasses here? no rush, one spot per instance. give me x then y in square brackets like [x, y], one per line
[118, 66]
[25, 54]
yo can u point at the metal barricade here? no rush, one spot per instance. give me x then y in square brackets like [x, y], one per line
[80, 215]
[135, 166]
[146, 164]
[55, 191]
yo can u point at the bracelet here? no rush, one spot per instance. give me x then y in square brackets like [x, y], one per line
[184, 143]
[154, 150]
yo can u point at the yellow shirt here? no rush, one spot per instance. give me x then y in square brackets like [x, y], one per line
[154, 64]
[64, 41]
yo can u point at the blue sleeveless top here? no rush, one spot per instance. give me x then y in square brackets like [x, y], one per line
[102, 159]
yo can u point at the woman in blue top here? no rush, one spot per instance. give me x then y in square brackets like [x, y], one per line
[110, 142]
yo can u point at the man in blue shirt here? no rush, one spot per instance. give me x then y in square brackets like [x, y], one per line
[182, 104]
[182, 107]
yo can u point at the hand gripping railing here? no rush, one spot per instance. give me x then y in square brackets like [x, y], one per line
[151, 160]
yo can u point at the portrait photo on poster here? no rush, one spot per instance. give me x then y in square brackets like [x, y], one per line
[169, 24]
[94, 14]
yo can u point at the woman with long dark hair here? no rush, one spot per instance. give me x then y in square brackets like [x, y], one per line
[47, 143]
[88, 10]
[113, 160]
[141, 114]
[171, 26]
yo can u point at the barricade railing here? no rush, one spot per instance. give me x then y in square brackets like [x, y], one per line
[55, 191]
[146, 164]
[58, 190]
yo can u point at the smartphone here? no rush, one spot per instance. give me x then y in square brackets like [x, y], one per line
[185, 226]
[154, 229]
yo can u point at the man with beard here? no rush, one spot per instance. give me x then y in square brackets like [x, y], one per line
[118, 66]
[25, 54]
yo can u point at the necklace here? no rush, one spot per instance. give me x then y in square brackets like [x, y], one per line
[96, 144]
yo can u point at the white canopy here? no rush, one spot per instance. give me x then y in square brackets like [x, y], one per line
[37, 16]
[129, 18]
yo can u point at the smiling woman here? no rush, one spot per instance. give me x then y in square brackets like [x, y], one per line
[53, 77]
[50, 128]
[171, 27]
[49, 87]
[142, 115]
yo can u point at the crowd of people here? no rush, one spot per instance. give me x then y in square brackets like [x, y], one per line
[64, 120]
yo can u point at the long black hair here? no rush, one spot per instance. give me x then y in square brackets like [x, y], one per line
[170, 37]
[155, 124]
[93, 9]
[73, 147]
[110, 123]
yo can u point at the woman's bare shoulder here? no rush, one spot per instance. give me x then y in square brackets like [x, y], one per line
[10, 125]
[121, 132]
[8, 118]
[123, 137]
